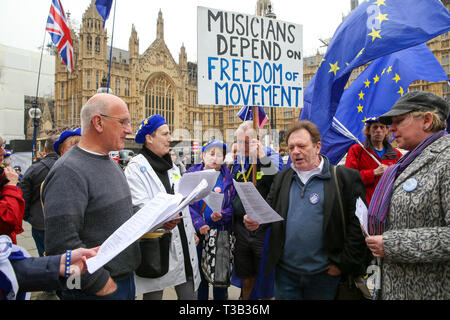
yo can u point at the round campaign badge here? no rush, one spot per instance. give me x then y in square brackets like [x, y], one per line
[410, 184]
[217, 189]
[143, 169]
[314, 198]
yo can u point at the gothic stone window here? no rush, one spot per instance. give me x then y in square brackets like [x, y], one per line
[89, 43]
[97, 44]
[159, 98]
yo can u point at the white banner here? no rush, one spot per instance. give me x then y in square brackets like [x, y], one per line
[248, 60]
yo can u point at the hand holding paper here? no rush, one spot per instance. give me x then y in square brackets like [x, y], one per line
[254, 204]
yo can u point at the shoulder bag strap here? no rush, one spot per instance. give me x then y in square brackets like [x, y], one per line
[341, 206]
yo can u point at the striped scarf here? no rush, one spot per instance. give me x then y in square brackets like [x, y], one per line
[381, 199]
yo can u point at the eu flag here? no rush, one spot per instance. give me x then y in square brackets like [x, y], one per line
[103, 8]
[374, 29]
[375, 91]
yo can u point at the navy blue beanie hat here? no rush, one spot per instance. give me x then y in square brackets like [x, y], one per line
[64, 135]
[148, 126]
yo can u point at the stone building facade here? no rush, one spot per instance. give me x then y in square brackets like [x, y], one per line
[154, 82]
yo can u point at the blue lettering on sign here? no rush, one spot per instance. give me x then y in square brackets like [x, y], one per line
[235, 85]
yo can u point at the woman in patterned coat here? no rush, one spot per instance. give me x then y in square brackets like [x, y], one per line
[409, 216]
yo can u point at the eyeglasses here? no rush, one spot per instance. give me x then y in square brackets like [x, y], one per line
[125, 122]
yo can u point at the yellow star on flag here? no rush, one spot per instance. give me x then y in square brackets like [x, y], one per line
[321, 62]
[361, 95]
[376, 79]
[334, 67]
[375, 34]
[389, 69]
[382, 17]
[396, 78]
[380, 2]
[360, 108]
[401, 91]
[365, 119]
[367, 83]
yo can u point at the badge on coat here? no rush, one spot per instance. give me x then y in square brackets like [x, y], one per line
[410, 185]
[143, 169]
[314, 198]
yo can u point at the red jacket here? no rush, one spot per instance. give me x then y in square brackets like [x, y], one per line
[12, 207]
[358, 159]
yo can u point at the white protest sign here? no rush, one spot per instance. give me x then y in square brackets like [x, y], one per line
[248, 60]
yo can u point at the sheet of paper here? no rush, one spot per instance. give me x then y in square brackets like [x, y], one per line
[191, 180]
[214, 200]
[254, 204]
[159, 209]
[362, 214]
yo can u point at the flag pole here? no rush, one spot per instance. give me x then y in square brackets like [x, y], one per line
[35, 102]
[255, 127]
[110, 50]
[351, 136]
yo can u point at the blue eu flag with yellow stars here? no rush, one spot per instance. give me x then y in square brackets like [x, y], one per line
[374, 93]
[374, 29]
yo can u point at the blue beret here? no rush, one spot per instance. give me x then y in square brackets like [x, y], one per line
[64, 135]
[8, 154]
[148, 126]
[214, 143]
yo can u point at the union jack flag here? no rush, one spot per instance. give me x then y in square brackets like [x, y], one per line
[59, 31]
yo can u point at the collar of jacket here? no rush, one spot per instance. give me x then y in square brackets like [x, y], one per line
[324, 174]
[159, 164]
[390, 152]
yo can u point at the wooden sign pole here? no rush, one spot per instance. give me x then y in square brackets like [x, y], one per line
[255, 127]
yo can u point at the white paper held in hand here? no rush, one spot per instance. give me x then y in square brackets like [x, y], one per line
[190, 180]
[162, 208]
[362, 214]
[254, 204]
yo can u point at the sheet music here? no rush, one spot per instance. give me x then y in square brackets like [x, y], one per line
[362, 213]
[162, 208]
[254, 204]
[214, 200]
[191, 180]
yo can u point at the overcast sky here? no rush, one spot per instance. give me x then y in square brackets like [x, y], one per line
[23, 21]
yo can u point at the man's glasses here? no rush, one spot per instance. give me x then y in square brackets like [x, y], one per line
[125, 122]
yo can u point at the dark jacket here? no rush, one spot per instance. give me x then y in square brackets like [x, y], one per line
[31, 187]
[348, 253]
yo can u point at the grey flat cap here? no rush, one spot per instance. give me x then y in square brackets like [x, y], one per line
[417, 101]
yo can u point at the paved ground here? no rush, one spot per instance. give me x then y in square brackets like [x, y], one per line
[26, 240]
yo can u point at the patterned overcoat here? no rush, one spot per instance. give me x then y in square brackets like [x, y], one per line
[417, 236]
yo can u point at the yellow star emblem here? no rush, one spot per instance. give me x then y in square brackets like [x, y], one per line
[360, 108]
[365, 119]
[361, 95]
[380, 2]
[396, 78]
[389, 69]
[367, 83]
[146, 121]
[401, 91]
[334, 67]
[384, 70]
[382, 17]
[376, 79]
[375, 34]
[321, 62]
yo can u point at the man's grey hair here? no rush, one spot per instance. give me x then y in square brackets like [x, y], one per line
[48, 146]
[90, 109]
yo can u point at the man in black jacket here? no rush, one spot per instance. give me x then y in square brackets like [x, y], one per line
[317, 243]
[31, 188]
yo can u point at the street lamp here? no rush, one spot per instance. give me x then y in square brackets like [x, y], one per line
[35, 113]
[104, 87]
